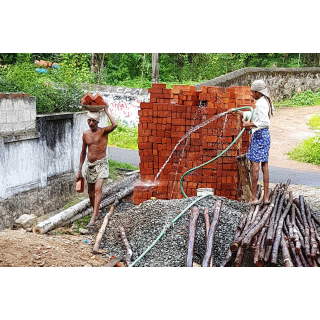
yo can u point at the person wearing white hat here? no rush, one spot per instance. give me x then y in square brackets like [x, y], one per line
[97, 168]
[260, 140]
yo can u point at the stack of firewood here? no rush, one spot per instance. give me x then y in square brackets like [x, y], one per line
[285, 224]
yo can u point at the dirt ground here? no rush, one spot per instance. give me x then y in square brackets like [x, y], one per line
[288, 129]
[19, 248]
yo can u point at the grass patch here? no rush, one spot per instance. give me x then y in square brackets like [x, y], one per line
[81, 223]
[314, 122]
[308, 151]
[303, 99]
[124, 136]
[114, 173]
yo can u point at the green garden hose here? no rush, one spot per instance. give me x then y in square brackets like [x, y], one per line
[190, 205]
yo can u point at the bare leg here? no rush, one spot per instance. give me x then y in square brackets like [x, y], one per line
[97, 200]
[91, 193]
[265, 170]
[254, 180]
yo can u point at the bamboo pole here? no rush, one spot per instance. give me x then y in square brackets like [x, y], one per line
[213, 227]
[103, 227]
[191, 237]
[126, 244]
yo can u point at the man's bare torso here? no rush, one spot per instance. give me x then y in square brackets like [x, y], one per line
[97, 144]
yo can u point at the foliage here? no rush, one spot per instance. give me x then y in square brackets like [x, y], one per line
[124, 136]
[128, 69]
[307, 98]
[314, 122]
[308, 151]
[55, 90]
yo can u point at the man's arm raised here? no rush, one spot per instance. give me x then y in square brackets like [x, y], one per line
[82, 158]
[114, 124]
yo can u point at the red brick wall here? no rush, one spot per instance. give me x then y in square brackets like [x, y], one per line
[162, 123]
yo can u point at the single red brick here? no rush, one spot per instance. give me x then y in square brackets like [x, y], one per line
[98, 98]
[89, 97]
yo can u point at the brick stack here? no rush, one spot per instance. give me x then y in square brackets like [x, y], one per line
[169, 115]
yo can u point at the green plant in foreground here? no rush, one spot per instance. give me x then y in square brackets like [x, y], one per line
[314, 122]
[308, 151]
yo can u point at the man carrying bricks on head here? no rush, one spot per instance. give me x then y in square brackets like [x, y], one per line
[96, 139]
[260, 140]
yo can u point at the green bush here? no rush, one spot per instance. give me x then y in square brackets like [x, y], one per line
[124, 136]
[314, 122]
[57, 90]
[307, 98]
[308, 151]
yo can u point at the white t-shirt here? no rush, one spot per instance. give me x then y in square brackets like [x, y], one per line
[260, 116]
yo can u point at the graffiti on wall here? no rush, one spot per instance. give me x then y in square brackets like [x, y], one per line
[124, 103]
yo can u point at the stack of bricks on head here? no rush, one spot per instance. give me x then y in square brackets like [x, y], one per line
[169, 115]
[89, 99]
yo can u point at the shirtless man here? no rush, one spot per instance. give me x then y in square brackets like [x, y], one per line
[96, 139]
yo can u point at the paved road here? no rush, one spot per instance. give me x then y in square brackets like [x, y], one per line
[308, 178]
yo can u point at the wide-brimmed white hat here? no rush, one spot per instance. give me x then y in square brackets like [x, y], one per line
[260, 86]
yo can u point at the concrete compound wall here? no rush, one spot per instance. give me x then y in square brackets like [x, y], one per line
[17, 112]
[37, 167]
[124, 102]
[281, 81]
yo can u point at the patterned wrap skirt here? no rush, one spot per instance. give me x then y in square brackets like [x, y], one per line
[97, 170]
[259, 146]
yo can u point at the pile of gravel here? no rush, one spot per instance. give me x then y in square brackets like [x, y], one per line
[143, 224]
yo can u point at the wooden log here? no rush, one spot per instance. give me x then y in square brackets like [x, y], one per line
[306, 226]
[126, 244]
[299, 225]
[192, 234]
[258, 246]
[285, 252]
[240, 227]
[103, 228]
[258, 208]
[235, 244]
[313, 240]
[262, 250]
[269, 239]
[244, 168]
[213, 227]
[207, 225]
[254, 242]
[66, 216]
[259, 224]
[316, 231]
[296, 259]
[298, 213]
[245, 232]
[274, 254]
[239, 258]
[315, 218]
[289, 223]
